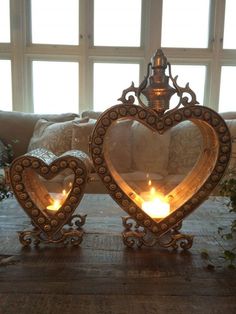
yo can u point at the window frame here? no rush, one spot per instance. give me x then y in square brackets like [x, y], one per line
[20, 51]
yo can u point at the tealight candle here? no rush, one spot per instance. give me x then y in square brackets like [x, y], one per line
[155, 205]
[58, 201]
[54, 206]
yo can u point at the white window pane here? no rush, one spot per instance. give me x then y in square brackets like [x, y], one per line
[55, 86]
[230, 25]
[4, 21]
[185, 23]
[55, 22]
[5, 85]
[110, 79]
[227, 86]
[195, 75]
[117, 23]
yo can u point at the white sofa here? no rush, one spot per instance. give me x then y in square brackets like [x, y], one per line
[137, 153]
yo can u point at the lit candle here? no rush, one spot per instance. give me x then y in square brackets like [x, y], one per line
[155, 204]
[56, 204]
[58, 201]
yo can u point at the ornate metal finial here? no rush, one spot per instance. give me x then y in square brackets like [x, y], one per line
[158, 91]
[155, 87]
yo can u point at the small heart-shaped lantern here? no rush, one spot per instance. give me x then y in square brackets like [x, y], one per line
[200, 181]
[50, 207]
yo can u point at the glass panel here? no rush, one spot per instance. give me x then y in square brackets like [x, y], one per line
[230, 25]
[48, 194]
[110, 79]
[55, 22]
[5, 85]
[55, 86]
[117, 23]
[195, 75]
[4, 21]
[227, 85]
[185, 23]
[144, 172]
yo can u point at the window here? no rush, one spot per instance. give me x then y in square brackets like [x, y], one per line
[4, 21]
[55, 22]
[55, 86]
[112, 31]
[182, 21]
[228, 78]
[5, 85]
[230, 25]
[106, 90]
[76, 55]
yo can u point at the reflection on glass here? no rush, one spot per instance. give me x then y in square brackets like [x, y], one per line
[136, 158]
[230, 25]
[49, 195]
[5, 85]
[55, 86]
[4, 21]
[55, 22]
[106, 90]
[227, 85]
[117, 23]
[185, 23]
[195, 75]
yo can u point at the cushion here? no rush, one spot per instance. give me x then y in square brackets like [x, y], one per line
[229, 115]
[185, 147]
[119, 143]
[91, 114]
[80, 135]
[16, 128]
[150, 150]
[53, 136]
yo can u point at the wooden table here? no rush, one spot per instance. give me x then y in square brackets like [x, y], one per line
[102, 276]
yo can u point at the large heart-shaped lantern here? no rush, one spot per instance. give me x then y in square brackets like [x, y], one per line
[184, 198]
[49, 189]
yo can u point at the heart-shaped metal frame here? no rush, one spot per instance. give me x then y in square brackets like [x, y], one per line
[48, 228]
[197, 185]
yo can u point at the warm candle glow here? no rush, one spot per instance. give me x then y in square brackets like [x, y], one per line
[57, 202]
[55, 205]
[154, 204]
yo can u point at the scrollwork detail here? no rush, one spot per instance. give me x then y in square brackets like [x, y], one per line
[140, 236]
[77, 222]
[178, 240]
[131, 99]
[181, 91]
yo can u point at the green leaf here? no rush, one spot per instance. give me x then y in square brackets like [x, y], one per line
[229, 255]
[204, 254]
[231, 266]
[228, 236]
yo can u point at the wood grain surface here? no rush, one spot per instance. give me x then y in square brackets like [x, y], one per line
[102, 276]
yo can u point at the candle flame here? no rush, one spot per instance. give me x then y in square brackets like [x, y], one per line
[153, 191]
[155, 204]
[54, 206]
[56, 203]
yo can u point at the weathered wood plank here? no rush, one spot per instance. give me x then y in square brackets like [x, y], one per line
[119, 304]
[103, 276]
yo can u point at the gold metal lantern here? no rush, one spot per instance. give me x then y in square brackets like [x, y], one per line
[50, 203]
[155, 211]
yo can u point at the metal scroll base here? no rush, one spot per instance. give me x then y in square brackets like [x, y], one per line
[140, 236]
[72, 235]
